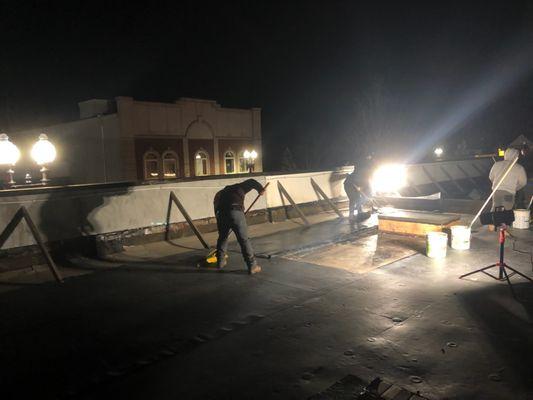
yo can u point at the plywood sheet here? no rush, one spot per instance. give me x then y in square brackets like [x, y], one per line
[411, 228]
[415, 223]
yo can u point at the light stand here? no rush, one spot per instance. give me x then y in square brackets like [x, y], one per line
[502, 266]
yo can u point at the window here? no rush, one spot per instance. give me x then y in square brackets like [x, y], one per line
[170, 165]
[151, 165]
[229, 162]
[201, 163]
[242, 162]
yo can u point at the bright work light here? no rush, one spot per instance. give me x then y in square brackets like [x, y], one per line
[389, 179]
[438, 151]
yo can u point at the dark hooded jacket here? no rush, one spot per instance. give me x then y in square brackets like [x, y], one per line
[232, 196]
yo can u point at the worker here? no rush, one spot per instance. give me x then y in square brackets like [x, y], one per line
[515, 180]
[520, 197]
[352, 187]
[229, 211]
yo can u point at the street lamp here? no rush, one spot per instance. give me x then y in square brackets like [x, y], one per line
[438, 151]
[250, 157]
[43, 152]
[9, 155]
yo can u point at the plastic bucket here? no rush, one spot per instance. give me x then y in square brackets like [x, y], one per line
[460, 237]
[436, 244]
[521, 219]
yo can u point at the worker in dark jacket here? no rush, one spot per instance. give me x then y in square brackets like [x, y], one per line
[352, 187]
[229, 210]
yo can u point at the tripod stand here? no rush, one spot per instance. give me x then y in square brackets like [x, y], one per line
[502, 266]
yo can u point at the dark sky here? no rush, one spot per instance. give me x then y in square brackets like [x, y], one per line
[321, 70]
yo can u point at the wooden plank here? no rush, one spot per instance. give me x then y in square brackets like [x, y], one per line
[450, 178]
[415, 187]
[403, 395]
[8, 230]
[481, 172]
[420, 217]
[472, 180]
[411, 228]
[284, 193]
[436, 183]
[37, 236]
[22, 213]
[391, 393]
[382, 387]
[174, 198]
[321, 193]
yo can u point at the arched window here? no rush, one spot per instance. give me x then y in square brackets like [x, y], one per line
[170, 165]
[151, 164]
[229, 162]
[201, 163]
[242, 162]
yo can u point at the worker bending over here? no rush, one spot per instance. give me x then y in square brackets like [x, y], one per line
[229, 210]
[515, 180]
[352, 187]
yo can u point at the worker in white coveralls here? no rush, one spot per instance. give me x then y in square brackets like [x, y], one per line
[515, 180]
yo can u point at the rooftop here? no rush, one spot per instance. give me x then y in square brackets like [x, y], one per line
[333, 300]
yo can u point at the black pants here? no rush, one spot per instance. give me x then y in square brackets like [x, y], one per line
[233, 220]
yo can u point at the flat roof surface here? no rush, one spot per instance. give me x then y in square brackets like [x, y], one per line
[149, 324]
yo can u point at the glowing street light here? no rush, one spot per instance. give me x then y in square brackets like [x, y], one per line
[438, 151]
[250, 157]
[9, 155]
[43, 152]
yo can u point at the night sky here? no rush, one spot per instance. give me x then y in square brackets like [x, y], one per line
[335, 79]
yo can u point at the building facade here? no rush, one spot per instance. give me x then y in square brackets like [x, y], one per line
[126, 139]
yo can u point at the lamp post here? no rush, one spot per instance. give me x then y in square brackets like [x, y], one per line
[250, 157]
[43, 152]
[9, 155]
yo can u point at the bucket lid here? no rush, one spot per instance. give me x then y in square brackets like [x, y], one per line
[459, 227]
[438, 234]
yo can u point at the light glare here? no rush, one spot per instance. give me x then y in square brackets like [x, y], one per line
[9, 153]
[389, 178]
[43, 152]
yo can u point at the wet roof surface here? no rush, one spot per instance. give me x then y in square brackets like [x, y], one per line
[155, 326]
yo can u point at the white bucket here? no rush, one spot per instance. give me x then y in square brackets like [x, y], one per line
[521, 219]
[436, 244]
[460, 237]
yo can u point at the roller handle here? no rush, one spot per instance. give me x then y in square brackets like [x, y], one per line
[257, 198]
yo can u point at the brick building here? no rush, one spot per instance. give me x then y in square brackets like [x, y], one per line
[126, 139]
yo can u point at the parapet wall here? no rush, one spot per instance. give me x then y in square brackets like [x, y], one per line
[107, 216]
[64, 213]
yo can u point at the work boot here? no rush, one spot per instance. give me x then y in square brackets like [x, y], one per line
[254, 269]
[221, 262]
